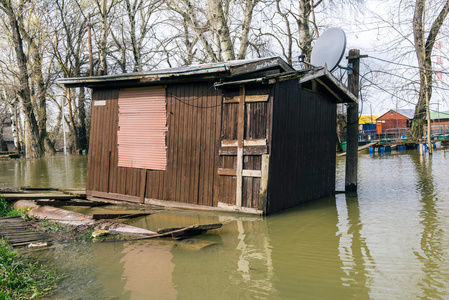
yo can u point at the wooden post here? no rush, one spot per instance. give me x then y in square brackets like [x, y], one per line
[240, 133]
[89, 40]
[143, 185]
[352, 123]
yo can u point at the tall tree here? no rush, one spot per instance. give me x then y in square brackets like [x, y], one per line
[221, 27]
[69, 47]
[15, 15]
[424, 44]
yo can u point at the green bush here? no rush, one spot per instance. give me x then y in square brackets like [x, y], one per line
[23, 278]
[7, 210]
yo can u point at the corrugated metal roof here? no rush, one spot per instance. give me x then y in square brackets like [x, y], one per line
[439, 115]
[409, 113]
[229, 68]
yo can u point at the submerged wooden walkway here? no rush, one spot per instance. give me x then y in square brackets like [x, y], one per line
[26, 193]
[18, 233]
[360, 148]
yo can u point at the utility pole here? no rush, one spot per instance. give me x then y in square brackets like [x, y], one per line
[89, 37]
[352, 122]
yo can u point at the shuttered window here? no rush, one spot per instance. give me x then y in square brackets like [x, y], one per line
[142, 128]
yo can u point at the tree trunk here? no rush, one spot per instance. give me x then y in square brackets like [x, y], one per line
[305, 35]
[218, 22]
[249, 8]
[82, 132]
[36, 146]
[423, 48]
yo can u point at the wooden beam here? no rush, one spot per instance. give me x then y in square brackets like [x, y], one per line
[352, 127]
[240, 136]
[264, 182]
[329, 90]
[248, 98]
[114, 196]
[245, 173]
[143, 185]
[251, 150]
[118, 216]
[227, 172]
[251, 173]
[248, 142]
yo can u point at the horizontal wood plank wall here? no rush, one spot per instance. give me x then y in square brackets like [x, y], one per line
[193, 120]
[302, 160]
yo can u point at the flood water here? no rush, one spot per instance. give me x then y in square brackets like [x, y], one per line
[390, 240]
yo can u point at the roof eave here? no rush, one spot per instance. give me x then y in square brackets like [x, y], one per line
[331, 84]
[159, 77]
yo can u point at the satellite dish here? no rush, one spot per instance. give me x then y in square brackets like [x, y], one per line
[329, 48]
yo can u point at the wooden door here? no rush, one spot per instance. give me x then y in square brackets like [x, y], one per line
[244, 154]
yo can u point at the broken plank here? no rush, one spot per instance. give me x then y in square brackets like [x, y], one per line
[36, 196]
[29, 188]
[118, 216]
[57, 203]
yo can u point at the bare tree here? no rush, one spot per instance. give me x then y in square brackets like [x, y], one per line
[424, 44]
[69, 47]
[132, 32]
[221, 27]
[20, 40]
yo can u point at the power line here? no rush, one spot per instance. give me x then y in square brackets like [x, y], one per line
[409, 66]
[390, 93]
[407, 79]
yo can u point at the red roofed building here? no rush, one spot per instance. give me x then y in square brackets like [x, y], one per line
[396, 119]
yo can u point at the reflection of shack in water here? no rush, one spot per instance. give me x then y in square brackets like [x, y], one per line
[239, 268]
[135, 270]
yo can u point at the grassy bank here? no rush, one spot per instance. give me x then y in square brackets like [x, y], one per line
[7, 210]
[22, 277]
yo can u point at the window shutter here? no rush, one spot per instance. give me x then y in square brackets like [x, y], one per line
[142, 128]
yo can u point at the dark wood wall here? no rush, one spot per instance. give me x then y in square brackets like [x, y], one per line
[300, 144]
[302, 156]
[193, 138]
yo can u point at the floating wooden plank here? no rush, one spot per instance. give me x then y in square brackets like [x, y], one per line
[36, 196]
[29, 188]
[57, 203]
[77, 192]
[118, 216]
[185, 232]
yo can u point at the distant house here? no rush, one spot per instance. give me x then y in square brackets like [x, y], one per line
[396, 119]
[439, 118]
[254, 136]
[439, 122]
[6, 134]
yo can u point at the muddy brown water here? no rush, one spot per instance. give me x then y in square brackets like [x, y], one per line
[388, 241]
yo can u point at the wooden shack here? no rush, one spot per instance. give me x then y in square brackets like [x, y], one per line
[254, 136]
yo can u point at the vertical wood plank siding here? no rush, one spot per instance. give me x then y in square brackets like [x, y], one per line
[193, 139]
[299, 126]
[302, 160]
